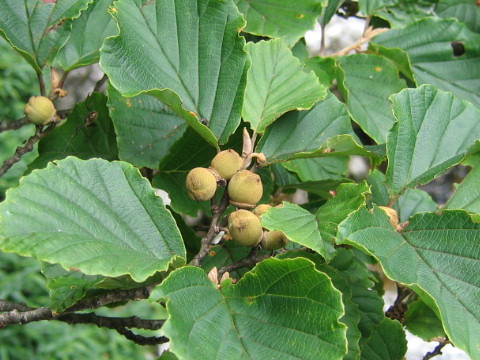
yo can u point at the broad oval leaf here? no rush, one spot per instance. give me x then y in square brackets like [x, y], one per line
[186, 53]
[267, 95]
[287, 19]
[387, 342]
[436, 254]
[88, 33]
[282, 309]
[305, 131]
[465, 11]
[145, 128]
[443, 53]
[99, 217]
[37, 29]
[434, 131]
[366, 82]
[298, 225]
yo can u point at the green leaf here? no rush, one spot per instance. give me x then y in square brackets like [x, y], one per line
[325, 120]
[422, 321]
[436, 255]
[376, 180]
[368, 7]
[467, 196]
[87, 133]
[88, 32]
[387, 342]
[298, 225]
[267, 97]
[285, 298]
[406, 12]
[430, 45]
[366, 82]
[99, 217]
[67, 287]
[146, 128]
[412, 202]
[186, 53]
[434, 132]
[317, 169]
[288, 19]
[37, 29]
[329, 10]
[323, 67]
[228, 253]
[465, 11]
[398, 56]
[349, 198]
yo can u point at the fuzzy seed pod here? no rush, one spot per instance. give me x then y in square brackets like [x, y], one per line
[273, 240]
[261, 209]
[40, 110]
[227, 163]
[245, 189]
[201, 184]
[245, 228]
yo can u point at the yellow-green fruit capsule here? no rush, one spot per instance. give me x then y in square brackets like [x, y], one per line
[245, 189]
[201, 184]
[261, 209]
[273, 240]
[40, 110]
[245, 228]
[227, 163]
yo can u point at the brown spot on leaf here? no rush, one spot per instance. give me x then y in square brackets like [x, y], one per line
[299, 16]
[458, 48]
[378, 69]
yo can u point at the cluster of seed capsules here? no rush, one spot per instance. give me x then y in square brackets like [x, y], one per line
[245, 190]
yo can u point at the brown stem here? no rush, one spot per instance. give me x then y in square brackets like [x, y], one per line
[100, 83]
[13, 125]
[217, 210]
[111, 322]
[41, 81]
[250, 261]
[22, 150]
[437, 350]
[398, 310]
[322, 41]
[142, 340]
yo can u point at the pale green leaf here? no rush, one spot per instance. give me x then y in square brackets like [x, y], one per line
[88, 32]
[99, 217]
[238, 321]
[287, 19]
[37, 29]
[465, 11]
[386, 342]
[267, 95]
[299, 226]
[430, 45]
[146, 128]
[412, 202]
[435, 254]
[434, 132]
[186, 53]
[318, 169]
[366, 82]
[422, 321]
[467, 196]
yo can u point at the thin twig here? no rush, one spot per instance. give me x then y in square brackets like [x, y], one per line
[142, 340]
[41, 81]
[250, 261]
[322, 41]
[437, 350]
[100, 83]
[111, 322]
[22, 150]
[24, 317]
[369, 34]
[217, 210]
[13, 125]
[10, 305]
[399, 308]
